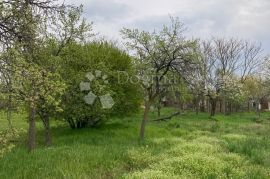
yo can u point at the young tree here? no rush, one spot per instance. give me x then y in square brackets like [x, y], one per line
[158, 54]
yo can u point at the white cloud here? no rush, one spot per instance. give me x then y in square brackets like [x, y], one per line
[247, 19]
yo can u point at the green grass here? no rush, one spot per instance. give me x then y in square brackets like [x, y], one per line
[188, 146]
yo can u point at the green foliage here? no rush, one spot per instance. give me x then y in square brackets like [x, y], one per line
[233, 90]
[30, 65]
[161, 57]
[7, 139]
[77, 61]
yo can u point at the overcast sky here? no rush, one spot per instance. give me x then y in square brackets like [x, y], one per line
[248, 19]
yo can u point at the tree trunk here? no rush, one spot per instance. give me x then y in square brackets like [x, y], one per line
[159, 106]
[179, 107]
[144, 120]
[32, 129]
[213, 107]
[220, 106]
[208, 105]
[197, 106]
[182, 106]
[48, 138]
[258, 107]
[159, 109]
[224, 106]
[202, 108]
[71, 123]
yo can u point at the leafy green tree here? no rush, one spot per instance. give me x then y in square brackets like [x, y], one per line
[68, 27]
[97, 65]
[24, 28]
[256, 89]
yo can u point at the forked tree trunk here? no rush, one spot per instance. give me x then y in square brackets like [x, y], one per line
[32, 129]
[144, 120]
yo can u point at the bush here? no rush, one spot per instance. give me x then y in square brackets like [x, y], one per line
[96, 64]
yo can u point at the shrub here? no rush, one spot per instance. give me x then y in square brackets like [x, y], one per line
[101, 61]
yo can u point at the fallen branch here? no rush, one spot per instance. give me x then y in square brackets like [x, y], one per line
[168, 117]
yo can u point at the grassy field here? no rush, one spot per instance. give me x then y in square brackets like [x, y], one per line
[188, 146]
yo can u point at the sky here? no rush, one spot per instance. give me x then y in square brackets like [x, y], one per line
[243, 19]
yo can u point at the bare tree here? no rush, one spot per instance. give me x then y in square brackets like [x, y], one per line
[252, 59]
[198, 78]
[225, 61]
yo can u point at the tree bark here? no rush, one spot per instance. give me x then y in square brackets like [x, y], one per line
[220, 106]
[213, 107]
[258, 110]
[159, 109]
[32, 129]
[208, 105]
[203, 105]
[224, 106]
[197, 106]
[71, 123]
[48, 137]
[144, 120]
[182, 106]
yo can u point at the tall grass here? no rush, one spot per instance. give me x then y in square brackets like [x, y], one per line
[188, 146]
